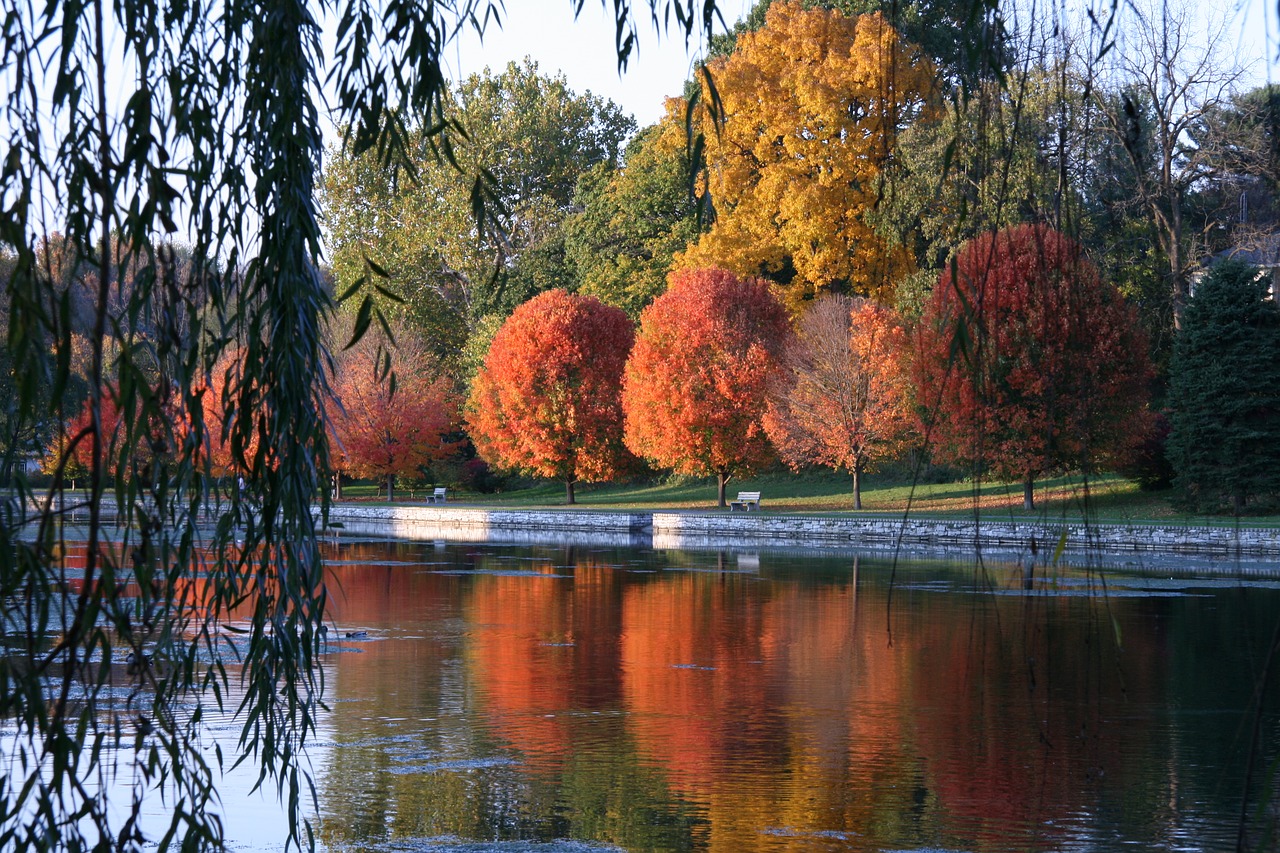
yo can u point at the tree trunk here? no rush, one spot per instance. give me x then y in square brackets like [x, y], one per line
[1175, 260]
[337, 485]
[857, 484]
[568, 492]
[722, 480]
[1028, 493]
[391, 481]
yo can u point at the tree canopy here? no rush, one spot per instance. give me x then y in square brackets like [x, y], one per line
[547, 400]
[812, 106]
[694, 388]
[1027, 361]
[528, 140]
[631, 221]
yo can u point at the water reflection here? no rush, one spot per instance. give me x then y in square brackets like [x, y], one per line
[667, 700]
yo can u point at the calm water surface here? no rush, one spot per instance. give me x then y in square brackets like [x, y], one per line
[579, 698]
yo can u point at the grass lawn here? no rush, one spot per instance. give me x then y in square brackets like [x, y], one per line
[1105, 498]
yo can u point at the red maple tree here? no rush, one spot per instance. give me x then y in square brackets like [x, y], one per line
[217, 395]
[145, 431]
[841, 395]
[547, 399]
[694, 392]
[1028, 362]
[69, 456]
[384, 430]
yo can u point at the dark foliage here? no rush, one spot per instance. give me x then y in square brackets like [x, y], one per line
[1224, 394]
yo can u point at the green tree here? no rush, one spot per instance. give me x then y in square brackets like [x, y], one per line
[528, 139]
[979, 164]
[630, 221]
[1224, 391]
[217, 135]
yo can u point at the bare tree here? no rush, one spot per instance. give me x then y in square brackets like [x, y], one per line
[1166, 73]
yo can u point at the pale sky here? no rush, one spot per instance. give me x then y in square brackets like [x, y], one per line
[584, 51]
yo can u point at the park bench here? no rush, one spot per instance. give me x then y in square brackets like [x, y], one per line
[746, 502]
[439, 496]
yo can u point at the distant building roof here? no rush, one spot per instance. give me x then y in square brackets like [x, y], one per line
[1263, 252]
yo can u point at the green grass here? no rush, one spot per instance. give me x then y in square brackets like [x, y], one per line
[1103, 498]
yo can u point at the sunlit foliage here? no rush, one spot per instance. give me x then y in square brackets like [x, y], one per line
[548, 399]
[812, 106]
[694, 390]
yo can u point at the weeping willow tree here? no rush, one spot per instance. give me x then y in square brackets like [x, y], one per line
[129, 127]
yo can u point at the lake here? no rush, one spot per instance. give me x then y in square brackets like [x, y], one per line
[588, 698]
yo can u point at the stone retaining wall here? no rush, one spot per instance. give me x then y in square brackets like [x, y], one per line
[746, 530]
[720, 529]
[957, 534]
[468, 524]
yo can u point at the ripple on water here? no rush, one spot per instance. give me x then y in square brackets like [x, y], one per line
[460, 765]
[453, 844]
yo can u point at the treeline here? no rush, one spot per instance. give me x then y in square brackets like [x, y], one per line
[832, 152]
[903, 200]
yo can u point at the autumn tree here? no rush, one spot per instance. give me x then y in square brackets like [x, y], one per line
[123, 438]
[841, 397]
[966, 39]
[214, 391]
[1027, 361]
[1224, 394]
[695, 387]
[396, 412]
[812, 105]
[547, 400]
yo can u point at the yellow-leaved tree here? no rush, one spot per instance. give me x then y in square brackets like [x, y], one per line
[812, 103]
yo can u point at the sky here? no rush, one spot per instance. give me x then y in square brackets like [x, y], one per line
[584, 51]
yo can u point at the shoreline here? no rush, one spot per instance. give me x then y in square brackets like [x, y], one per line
[675, 529]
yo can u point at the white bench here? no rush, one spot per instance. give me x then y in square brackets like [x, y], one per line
[439, 496]
[746, 502]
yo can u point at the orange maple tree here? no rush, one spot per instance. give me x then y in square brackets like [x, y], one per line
[69, 455]
[1028, 362]
[841, 396]
[386, 429]
[217, 394]
[547, 399]
[694, 391]
[123, 433]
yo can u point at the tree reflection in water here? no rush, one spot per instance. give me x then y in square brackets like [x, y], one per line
[661, 700]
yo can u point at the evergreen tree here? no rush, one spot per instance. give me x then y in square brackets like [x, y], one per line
[1224, 390]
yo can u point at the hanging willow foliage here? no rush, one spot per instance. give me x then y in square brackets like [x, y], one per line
[133, 609]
